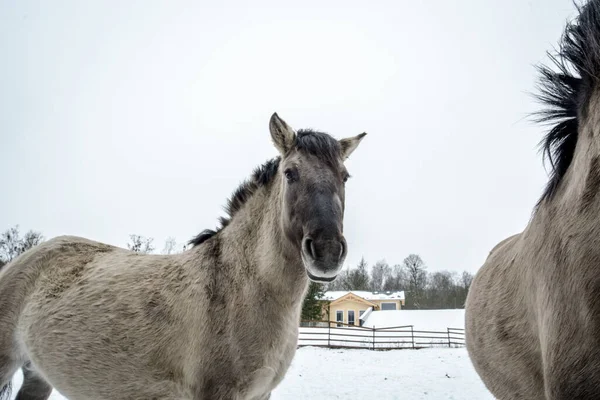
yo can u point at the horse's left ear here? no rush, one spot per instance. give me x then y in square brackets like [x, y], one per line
[350, 144]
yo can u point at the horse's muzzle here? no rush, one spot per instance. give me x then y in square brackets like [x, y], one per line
[323, 258]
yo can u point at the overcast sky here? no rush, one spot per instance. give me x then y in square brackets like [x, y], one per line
[143, 116]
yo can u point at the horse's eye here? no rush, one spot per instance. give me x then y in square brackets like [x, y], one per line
[289, 175]
[346, 177]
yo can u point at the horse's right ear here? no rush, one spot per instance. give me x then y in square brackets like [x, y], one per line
[283, 136]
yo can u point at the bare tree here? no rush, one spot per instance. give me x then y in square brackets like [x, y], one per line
[398, 279]
[170, 245]
[340, 282]
[463, 285]
[140, 244]
[466, 279]
[417, 279]
[441, 290]
[12, 244]
[380, 273]
[358, 278]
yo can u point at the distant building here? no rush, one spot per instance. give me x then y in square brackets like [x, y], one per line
[347, 307]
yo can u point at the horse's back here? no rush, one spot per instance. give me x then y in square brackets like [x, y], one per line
[38, 257]
[501, 336]
[20, 277]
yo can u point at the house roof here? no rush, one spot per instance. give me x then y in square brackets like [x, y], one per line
[336, 294]
[350, 296]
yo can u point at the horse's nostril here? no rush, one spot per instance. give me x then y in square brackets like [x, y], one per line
[342, 249]
[309, 247]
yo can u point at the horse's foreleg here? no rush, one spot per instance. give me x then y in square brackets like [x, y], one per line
[34, 386]
[8, 367]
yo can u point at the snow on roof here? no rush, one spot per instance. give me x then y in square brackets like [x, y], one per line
[336, 294]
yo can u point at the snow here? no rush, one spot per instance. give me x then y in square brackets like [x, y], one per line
[422, 320]
[444, 374]
[327, 374]
[336, 294]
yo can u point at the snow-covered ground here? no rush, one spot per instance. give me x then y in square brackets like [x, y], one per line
[318, 373]
[444, 374]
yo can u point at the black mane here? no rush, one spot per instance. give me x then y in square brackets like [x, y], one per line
[566, 87]
[313, 142]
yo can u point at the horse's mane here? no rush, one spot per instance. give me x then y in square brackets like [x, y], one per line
[313, 142]
[565, 88]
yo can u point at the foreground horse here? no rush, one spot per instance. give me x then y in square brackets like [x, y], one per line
[533, 310]
[219, 321]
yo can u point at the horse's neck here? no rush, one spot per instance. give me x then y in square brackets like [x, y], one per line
[575, 207]
[255, 245]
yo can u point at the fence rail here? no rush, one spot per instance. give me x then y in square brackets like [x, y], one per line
[340, 335]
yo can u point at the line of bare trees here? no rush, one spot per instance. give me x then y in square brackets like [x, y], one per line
[423, 290]
[145, 245]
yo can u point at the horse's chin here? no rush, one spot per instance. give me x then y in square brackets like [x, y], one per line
[319, 279]
[318, 273]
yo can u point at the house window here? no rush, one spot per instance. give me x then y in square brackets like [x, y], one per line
[351, 317]
[339, 317]
[360, 314]
[388, 306]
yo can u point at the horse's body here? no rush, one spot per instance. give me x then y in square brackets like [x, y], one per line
[533, 310]
[219, 321]
[148, 326]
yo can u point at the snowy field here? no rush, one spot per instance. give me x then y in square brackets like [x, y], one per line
[444, 374]
[317, 373]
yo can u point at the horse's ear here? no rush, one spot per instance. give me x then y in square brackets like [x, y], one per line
[283, 136]
[350, 144]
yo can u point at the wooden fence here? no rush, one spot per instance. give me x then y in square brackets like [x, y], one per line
[339, 335]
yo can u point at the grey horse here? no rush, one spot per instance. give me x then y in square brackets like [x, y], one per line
[219, 321]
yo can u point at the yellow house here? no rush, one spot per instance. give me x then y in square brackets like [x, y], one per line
[347, 307]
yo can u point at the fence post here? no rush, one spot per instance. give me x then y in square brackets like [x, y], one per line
[373, 337]
[412, 335]
[329, 334]
[449, 343]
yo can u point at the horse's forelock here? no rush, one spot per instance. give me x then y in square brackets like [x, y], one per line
[319, 144]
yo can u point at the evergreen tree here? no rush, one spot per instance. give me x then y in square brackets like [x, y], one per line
[312, 307]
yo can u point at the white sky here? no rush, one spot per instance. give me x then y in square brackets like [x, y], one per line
[143, 116]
